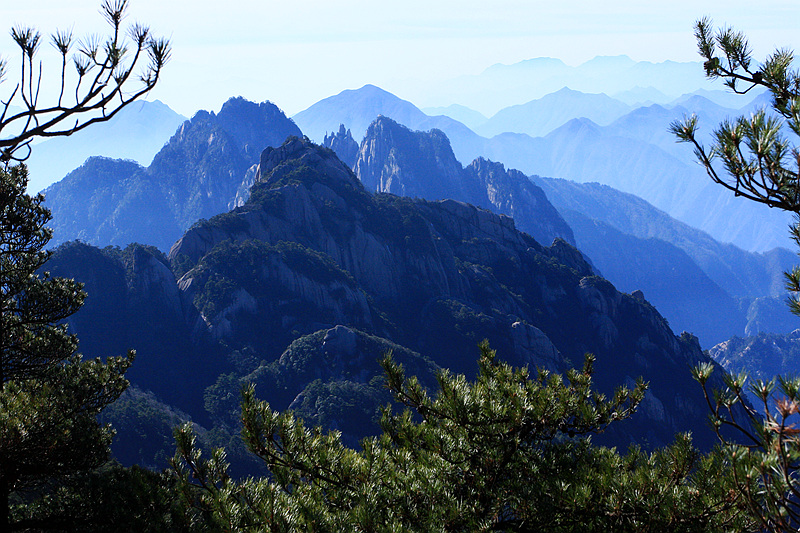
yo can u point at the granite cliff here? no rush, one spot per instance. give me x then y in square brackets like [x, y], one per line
[394, 159]
[197, 174]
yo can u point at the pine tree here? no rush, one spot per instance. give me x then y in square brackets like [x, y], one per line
[49, 396]
[509, 452]
[756, 157]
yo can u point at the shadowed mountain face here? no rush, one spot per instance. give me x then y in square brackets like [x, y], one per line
[702, 286]
[312, 249]
[712, 289]
[396, 160]
[343, 144]
[197, 174]
[302, 288]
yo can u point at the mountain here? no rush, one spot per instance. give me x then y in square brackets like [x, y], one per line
[501, 86]
[312, 249]
[665, 275]
[634, 154]
[302, 288]
[469, 117]
[764, 356]
[712, 289]
[394, 159]
[641, 96]
[197, 174]
[539, 117]
[137, 133]
[356, 109]
[700, 285]
[740, 273]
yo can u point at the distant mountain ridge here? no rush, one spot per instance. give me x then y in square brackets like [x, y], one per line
[500, 85]
[633, 154]
[137, 133]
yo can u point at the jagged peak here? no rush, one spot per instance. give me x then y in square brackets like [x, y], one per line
[482, 163]
[296, 153]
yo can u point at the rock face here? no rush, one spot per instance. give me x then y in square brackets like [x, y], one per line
[311, 249]
[396, 160]
[343, 144]
[197, 174]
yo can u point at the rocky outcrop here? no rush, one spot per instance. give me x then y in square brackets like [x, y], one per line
[200, 172]
[343, 144]
[394, 159]
[435, 276]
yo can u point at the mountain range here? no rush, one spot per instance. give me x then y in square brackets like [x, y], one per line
[301, 288]
[710, 289]
[197, 174]
[625, 154]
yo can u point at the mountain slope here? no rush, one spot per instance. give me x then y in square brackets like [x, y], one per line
[394, 159]
[137, 133]
[432, 276]
[197, 174]
[634, 155]
[541, 116]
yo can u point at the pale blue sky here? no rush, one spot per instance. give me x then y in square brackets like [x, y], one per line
[295, 53]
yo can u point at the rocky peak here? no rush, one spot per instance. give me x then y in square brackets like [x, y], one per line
[343, 144]
[394, 159]
[295, 155]
[255, 126]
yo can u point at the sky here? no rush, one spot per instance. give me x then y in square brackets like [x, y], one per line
[296, 53]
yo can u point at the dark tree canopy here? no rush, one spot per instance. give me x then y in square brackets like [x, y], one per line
[49, 396]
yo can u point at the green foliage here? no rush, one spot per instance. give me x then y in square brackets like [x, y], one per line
[113, 499]
[761, 164]
[49, 397]
[509, 452]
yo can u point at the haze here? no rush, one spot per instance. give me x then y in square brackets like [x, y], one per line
[295, 54]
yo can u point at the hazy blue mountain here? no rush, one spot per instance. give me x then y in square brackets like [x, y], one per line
[667, 276]
[740, 273]
[502, 86]
[469, 117]
[137, 133]
[301, 289]
[585, 152]
[633, 244]
[197, 174]
[356, 109]
[539, 117]
[394, 159]
[725, 291]
[639, 96]
[634, 154]
[431, 276]
[724, 98]
[762, 356]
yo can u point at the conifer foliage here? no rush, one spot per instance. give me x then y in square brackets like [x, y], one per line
[756, 157]
[49, 396]
[509, 452]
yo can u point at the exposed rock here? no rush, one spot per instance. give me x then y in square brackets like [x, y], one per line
[200, 172]
[343, 144]
[437, 277]
[394, 159]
